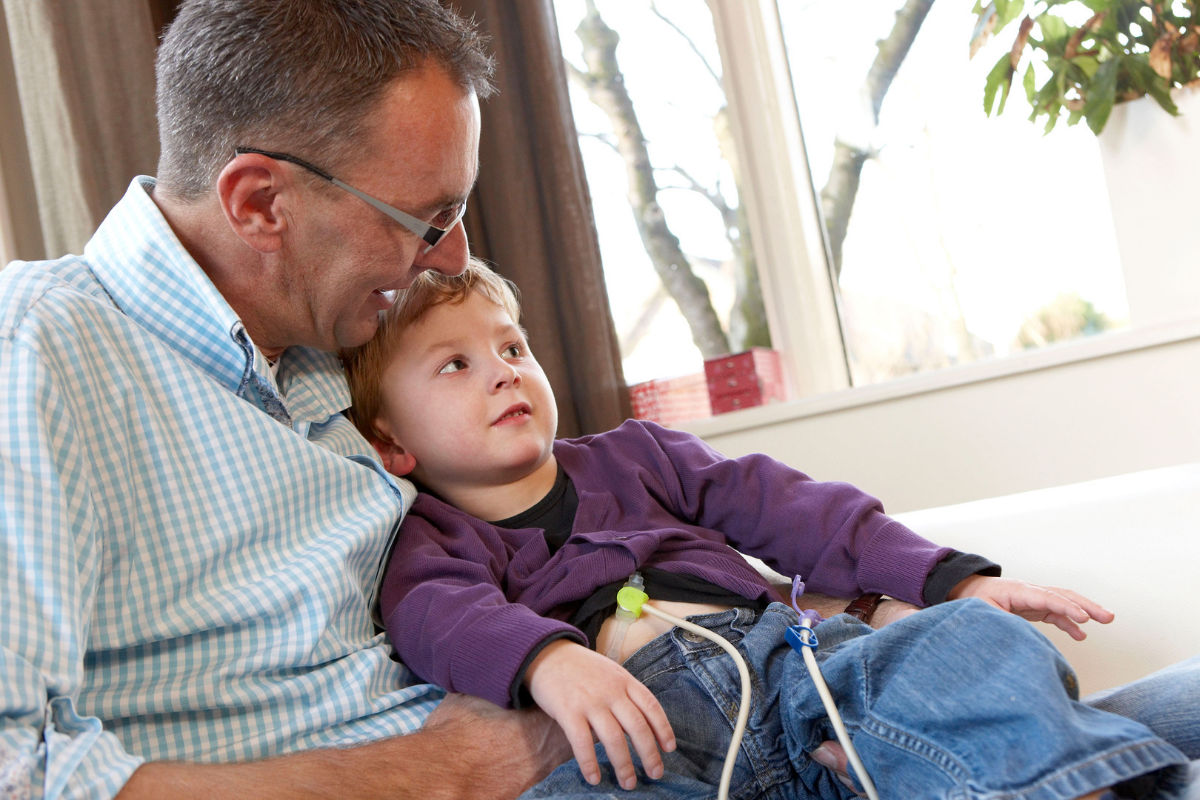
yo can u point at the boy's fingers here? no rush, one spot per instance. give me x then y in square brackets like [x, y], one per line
[1066, 624]
[1093, 609]
[610, 734]
[645, 744]
[584, 750]
[655, 716]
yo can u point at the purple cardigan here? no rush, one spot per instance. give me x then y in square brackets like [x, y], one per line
[466, 602]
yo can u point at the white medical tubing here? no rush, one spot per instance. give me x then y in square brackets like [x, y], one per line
[743, 708]
[635, 603]
[839, 728]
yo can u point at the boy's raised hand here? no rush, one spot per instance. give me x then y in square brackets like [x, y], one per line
[588, 693]
[1060, 607]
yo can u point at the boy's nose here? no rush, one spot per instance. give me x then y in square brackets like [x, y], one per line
[507, 376]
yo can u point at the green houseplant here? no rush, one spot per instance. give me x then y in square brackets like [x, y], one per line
[1091, 53]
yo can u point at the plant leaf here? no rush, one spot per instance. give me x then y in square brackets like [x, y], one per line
[1027, 83]
[1007, 11]
[998, 80]
[1101, 94]
[1160, 55]
[983, 27]
[1055, 33]
[1086, 64]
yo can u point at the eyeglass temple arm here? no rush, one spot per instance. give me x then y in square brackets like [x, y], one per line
[427, 232]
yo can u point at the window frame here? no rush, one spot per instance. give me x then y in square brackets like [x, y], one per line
[790, 251]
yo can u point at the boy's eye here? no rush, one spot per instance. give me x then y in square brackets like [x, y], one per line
[454, 365]
[513, 351]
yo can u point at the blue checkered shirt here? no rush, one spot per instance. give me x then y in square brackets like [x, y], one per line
[191, 545]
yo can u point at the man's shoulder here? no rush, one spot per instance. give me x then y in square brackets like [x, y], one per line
[28, 286]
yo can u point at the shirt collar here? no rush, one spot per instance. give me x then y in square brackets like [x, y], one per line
[152, 278]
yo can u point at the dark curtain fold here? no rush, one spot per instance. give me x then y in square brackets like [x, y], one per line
[531, 215]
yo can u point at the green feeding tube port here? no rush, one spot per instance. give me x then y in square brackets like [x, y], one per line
[630, 598]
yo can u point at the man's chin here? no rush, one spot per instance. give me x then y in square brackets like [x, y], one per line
[359, 334]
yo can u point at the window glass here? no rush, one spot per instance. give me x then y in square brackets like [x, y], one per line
[670, 70]
[969, 237]
[965, 237]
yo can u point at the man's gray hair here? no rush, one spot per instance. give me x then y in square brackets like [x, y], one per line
[295, 75]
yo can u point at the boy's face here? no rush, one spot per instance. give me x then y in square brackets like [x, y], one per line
[466, 400]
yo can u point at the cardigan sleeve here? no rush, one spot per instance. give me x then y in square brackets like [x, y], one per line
[444, 607]
[831, 533]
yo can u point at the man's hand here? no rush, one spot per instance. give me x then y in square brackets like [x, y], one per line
[588, 693]
[534, 739]
[468, 748]
[1060, 607]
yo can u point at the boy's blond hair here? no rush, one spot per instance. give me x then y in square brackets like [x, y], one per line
[365, 365]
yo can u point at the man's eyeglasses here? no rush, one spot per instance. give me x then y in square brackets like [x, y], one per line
[430, 234]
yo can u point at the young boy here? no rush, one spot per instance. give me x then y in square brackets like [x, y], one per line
[518, 608]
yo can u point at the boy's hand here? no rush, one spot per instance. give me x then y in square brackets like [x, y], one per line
[1061, 607]
[586, 692]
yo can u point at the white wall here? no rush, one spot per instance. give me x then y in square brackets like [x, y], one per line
[1105, 406]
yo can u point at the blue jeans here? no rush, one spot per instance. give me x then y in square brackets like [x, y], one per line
[1167, 702]
[959, 701]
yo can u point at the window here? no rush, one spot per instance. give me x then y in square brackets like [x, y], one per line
[954, 250]
[663, 156]
[967, 238]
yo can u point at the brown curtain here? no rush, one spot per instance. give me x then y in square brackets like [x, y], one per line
[84, 79]
[531, 216]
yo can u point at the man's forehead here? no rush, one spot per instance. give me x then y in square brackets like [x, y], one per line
[429, 162]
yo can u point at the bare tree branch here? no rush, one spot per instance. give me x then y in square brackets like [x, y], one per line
[641, 326]
[841, 187]
[606, 87]
[713, 196]
[600, 137]
[691, 44]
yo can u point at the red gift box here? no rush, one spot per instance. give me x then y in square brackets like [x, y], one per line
[669, 401]
[744, 379]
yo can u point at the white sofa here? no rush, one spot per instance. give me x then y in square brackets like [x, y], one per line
[1130, 542]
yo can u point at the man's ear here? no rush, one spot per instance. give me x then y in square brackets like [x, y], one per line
[395, 458]
[250, 189]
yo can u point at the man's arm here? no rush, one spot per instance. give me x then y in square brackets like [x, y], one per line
[468, 748]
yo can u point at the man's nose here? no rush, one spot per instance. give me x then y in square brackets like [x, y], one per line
[449, 256]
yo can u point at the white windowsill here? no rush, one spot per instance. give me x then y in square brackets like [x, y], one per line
[1093, 347]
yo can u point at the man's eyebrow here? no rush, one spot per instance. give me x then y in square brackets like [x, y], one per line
[446, 201]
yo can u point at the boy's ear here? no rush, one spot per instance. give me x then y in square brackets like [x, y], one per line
[395, 458]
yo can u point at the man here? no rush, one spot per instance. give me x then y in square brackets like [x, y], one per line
[192, 531]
